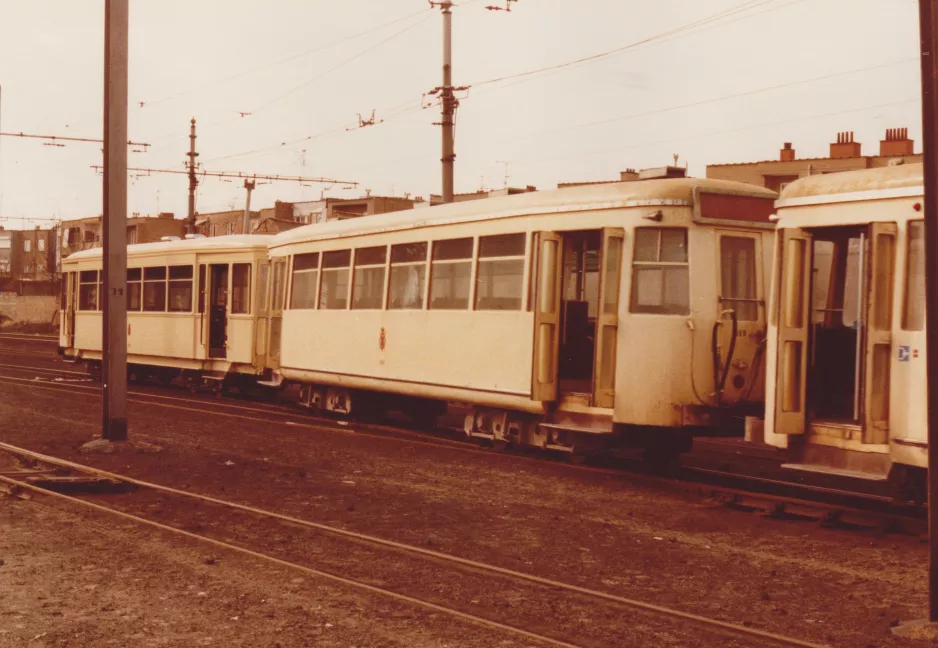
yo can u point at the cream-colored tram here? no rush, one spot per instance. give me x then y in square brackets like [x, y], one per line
[846, 346]
[189, 304]
[556, 319]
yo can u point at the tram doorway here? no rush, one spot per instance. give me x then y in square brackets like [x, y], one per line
[218, 311]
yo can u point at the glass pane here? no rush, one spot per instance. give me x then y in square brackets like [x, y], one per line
[449, 285]
[501, 245]
[793, 284]
[646, 244]
[133, 274]
[154, 295]
[180, 272]
[88, 296]
[368, 291]
[306, 261]
[674, 245]
[276, 327]
[241, 288]
[407, 286]
[853, 284]
[884, 250]
[821, 296]
[201, 288]
[263, 274]
[611, 278]
[664, 290]
[133, 296]
[304, 290]
[180, 296]
[452, 249]
[914, 316]
[738, 276]
[408, 253]
[499, 284]
[337, 259]
[370, 256]
[279, 270]
[89, 276]
[334, 292]
[154, 273]
[547, 275]
[607, 374]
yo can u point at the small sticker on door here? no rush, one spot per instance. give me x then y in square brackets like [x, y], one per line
[904, 353]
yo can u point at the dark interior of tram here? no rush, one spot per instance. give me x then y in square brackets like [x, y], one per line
[581, 265]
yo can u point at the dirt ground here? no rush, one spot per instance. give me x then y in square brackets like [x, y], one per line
[587, 527]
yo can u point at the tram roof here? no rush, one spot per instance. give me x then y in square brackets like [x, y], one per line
[661, 192]
[213, 243]
[881, 182]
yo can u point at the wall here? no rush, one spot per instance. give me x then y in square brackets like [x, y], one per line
[17, 309]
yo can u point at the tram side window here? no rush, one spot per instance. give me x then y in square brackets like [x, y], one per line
[335, 279]
[88, 290]
[449, 274]
[368, 291]
[913, 316]
[241, 289]
[738, 277]
[305, 275]
[134, 288]
[180, 289]
[408, 275]
[500, 274]
[660, 281]
[154, 289]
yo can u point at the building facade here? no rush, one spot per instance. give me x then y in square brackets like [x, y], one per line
[845, 155]
[85, 233]
[330, 209]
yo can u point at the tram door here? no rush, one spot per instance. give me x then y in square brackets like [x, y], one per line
[262, 320]
[218, 311]
[69, 296]
[576, 315]
[835, 317]
[275, 314]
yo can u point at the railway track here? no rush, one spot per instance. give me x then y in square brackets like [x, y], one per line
[476, 592]
[809, 502]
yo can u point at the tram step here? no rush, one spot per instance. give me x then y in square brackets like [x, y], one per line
[590, 427]
[840, 472]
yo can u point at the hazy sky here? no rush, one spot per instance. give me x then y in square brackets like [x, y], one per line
[304, 68]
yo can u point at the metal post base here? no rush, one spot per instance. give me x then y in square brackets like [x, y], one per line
[115, 429]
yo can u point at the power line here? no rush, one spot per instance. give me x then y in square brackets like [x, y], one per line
[239, 174]
[63, 138]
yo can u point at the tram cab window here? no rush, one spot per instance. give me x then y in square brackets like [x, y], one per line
[913, 316]
[180, 289]
[241, 289]
[408, 275]
[335, 279]
[88, 290]
[449, 274]
[368, 289]
[154, 289]
[738, 277]
[660, 272]
[305, 276]
[134, 288]
[500, 273]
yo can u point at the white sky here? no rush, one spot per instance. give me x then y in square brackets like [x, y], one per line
[183, 54]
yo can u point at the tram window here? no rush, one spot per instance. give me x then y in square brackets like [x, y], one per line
[180, 289]
[913, 316]
[500, 273]
[88, 290]
[335, 279]
[738, 277]
[134, 288]
[408, 275]
[241, 289]
[660, 282]
[305, 275]
[449, 274]
[368, 291]
[154, 289]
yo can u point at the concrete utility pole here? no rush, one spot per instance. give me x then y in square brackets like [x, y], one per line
[193, 182]
[246, 223]
[114, 301]
[448, 101]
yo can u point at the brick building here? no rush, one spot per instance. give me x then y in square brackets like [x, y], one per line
[329, 209]
[845, 155]
[85, 233]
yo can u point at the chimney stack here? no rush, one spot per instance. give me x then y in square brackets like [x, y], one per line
[845, 147]
[897, 143]
[628, 175]
[787, 154]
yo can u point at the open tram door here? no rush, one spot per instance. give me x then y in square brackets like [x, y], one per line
[69, 298]
[218, 310]
[834, 345]
[274, 326]
[262, 318]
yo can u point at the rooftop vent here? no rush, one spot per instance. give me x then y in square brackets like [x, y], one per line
[662, 172]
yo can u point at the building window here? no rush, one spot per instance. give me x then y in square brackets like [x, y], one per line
[335, 279]
[305, 276]
[738, 277]
[368, 291]
[500, 273]
[134, 288]
[229, 227]
[913, 316]
[88, 290]
[154, 289]
[180, 289]
[27, 245]
[449, 274]
[132, 235]
[41, 244]
[408, 275]
[660, 282]
[241, 289]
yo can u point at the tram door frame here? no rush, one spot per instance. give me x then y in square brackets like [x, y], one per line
[219, 279]
[262, 314]
[607, 317]
[277, 297]
[68, 314]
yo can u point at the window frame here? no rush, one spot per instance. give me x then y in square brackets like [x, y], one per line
[478, 260]
[248, 293]
[322, 276]
[638, 309]
[470, 260]
[293, 272]
[756, 299]
[425, 264]
[369, 266]
[907, 300]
